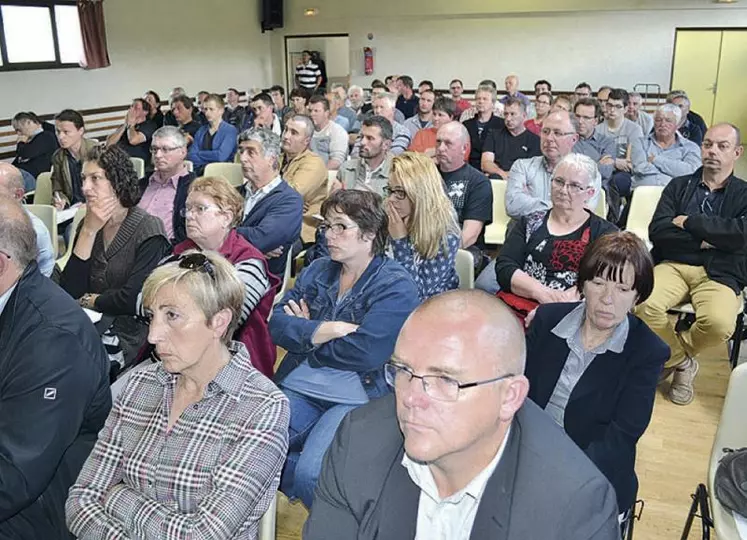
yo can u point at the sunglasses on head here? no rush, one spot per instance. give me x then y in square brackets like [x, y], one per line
[197, 262]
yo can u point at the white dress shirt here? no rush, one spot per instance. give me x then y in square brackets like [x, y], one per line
[450, 518]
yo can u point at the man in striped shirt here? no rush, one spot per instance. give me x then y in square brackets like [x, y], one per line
[308, 74]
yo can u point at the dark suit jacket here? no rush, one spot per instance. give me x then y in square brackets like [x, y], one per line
[610, 406]
[273, 222]
[543, 487]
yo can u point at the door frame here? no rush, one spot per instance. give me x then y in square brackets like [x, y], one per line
[291, 84]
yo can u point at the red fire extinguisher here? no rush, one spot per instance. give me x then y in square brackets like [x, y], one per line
[368, 60]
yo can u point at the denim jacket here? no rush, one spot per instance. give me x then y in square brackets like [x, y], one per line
[380, 301]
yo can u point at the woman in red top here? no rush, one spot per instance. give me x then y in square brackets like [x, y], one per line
[542, 106]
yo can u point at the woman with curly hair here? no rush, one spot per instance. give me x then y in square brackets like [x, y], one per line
[117, 246]
[424, 235]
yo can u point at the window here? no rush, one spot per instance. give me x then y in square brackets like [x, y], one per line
[39, 35]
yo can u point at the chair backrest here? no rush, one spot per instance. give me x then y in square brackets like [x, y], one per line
[189, 165]
[48, 214]
[331, 179]
[642, 208]
[230, 171]
[139, 165]
[601, 209]
[731, 433]
[43, 191]
[465, 269]
[495, 233]
[79, 215]
[286, 279]
[268, 521]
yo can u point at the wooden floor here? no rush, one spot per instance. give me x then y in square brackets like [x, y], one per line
[672, 458]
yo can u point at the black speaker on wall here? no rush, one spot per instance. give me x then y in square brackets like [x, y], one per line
[271, 14]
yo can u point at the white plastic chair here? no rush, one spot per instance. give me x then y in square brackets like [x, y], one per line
[230, 171]
[465, 269]
[601, 209]
[495, 233]
[286, 279]
[48, 214]
[139, 165]
[43, 191]
[79, 215]
[268, 522]
[642, 208]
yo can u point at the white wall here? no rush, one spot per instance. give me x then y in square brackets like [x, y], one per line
[615, 42]
[153, 44]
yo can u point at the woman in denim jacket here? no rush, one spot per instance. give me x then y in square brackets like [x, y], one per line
[339, 325]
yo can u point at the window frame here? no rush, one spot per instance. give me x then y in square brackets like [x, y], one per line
[32, 66]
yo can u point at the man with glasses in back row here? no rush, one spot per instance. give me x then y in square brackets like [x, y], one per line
[457, 451]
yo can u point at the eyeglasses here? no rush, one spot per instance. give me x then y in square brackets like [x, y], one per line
[197, 209]
[556, 133]
[335, 228]
[572, 186]
[617, 106]
[397, 193]
[165, 149]
[197, 262]
[542, 102]
[439, 387]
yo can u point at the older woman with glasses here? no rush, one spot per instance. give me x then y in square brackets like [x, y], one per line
[116, 247]
[538, 264]
[213, 210]
[339, 324]
[424, 235]
[594, 366]
[194, 445]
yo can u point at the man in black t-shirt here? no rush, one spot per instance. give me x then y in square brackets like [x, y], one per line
[482, 123]
[469, 190]
[134, 136]
[504, 146]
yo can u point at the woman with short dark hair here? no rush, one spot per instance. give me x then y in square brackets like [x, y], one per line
[339, 325]
[116, 247]
[594, 366]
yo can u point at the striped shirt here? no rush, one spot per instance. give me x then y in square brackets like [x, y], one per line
[212, 476]
[307, 75]
[256, 284]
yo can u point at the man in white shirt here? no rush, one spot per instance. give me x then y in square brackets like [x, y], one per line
[457, 452]
[330, 140]
[11, 186]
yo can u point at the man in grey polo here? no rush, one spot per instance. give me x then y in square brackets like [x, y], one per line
[590, 143]
[665, 153]
[383, 104]
[369, 171]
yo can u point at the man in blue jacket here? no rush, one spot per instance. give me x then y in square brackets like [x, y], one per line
[273, 210]
[54, 388]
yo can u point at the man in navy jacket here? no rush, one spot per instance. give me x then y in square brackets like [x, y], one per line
[273, 210]
[54, 388]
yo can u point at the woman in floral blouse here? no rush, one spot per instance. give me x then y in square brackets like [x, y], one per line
[424, 234]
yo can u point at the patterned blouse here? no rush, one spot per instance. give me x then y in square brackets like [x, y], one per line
[212, 476]
[432, 276]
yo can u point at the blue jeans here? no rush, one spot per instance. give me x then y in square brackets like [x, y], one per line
[313, 424]
[623, 182]
[29, 182]
[487, 280]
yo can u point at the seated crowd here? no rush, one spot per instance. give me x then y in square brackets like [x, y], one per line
[185, 276]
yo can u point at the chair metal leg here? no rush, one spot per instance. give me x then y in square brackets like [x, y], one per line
[700, 501]
[737, 341]
[634, 515]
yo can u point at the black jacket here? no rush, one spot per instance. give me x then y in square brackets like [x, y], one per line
[478, 141]
[543, 487]
[726, 262]
[178, 222]
[610, 407]
[35, 156]
[54, 399]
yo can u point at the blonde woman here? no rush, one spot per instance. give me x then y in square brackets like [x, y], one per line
[423, 232]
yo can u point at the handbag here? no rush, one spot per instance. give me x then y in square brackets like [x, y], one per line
[519, 305]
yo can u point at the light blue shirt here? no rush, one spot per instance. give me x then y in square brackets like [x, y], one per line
[44, 250]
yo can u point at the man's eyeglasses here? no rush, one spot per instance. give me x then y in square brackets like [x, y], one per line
[439, 387]
[335, 228]
[397, 193]
[572, 187]
[617, 106]
[197, 262]
[197, 209]
[556, 133]
[165, 149]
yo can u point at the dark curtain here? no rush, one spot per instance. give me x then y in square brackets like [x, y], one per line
[91, 14]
